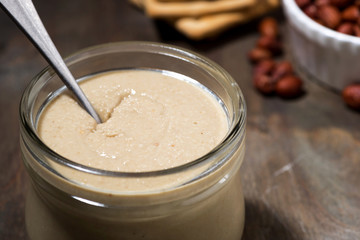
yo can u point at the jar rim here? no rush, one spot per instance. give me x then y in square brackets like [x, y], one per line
[236, 128]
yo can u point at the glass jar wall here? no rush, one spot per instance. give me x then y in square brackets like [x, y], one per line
[202, 199]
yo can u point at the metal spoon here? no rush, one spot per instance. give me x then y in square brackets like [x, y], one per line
[24, 14]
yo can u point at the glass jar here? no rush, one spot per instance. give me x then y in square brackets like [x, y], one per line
[202, 199]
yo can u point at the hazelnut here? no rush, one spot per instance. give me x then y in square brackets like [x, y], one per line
[282, 69]
[340, 3]
[269, 43]
[289, 87]
[319, 3]
[311, 11]
[264, 84]
[264, 67]
[269, 27]
[351, 95]
[351, 13]
[258, 54]
[330, 16]
[302, 3]
[346, 28]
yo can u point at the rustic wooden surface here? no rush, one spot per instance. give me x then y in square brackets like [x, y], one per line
[302, 169]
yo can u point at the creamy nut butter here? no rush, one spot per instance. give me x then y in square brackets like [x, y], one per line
[151, 121]
[163, 164]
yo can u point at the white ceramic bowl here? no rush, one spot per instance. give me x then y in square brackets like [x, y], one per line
[328, 56]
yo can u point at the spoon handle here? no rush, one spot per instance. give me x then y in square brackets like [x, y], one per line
[24, 14]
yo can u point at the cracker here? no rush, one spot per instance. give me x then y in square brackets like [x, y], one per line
[210, 25]
[160, 9]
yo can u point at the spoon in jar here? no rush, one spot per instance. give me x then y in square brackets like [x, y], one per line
[24, 14]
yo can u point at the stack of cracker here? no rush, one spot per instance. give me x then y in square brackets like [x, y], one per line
[199, 19]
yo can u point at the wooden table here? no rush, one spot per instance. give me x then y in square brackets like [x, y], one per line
[302, 169]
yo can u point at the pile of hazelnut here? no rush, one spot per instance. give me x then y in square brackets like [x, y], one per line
[271, 77]
[340, 15]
